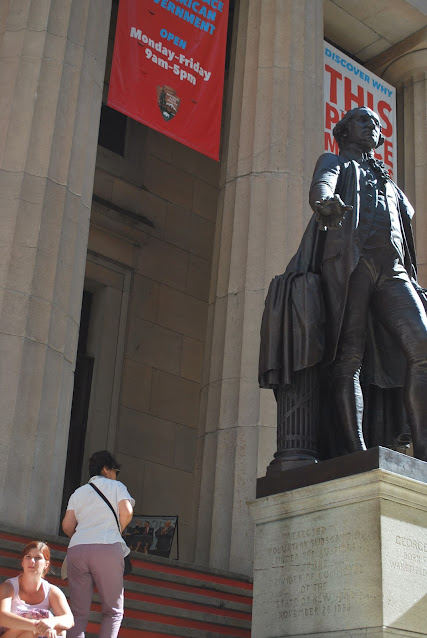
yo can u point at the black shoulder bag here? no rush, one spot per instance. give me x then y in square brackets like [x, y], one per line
[128, 563]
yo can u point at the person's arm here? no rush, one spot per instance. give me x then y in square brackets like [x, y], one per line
[125, 513]
[69, 523]
[326, 203]
[9, 619]
[62, 616]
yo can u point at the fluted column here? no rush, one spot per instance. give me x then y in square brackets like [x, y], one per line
[52, 60]
[273, 137]
[408, 74]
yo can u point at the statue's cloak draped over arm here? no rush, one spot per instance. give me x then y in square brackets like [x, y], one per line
[292, 329]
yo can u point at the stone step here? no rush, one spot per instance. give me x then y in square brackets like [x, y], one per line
[166, 617]
[140, 584]
[151, 606]
[159, 568]
[162, 597]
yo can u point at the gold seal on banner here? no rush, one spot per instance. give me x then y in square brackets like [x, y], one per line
[168, 102]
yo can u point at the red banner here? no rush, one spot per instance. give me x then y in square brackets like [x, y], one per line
[168, 68]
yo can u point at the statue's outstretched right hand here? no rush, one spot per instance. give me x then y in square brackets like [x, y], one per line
[330, 212]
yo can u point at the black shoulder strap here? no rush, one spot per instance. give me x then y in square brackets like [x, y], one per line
[104, 498]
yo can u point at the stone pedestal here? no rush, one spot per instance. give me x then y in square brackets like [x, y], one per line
[347, 555]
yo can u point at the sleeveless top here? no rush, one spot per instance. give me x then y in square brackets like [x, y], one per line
[21, 608]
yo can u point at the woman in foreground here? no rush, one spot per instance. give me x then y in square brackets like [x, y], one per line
[29, 605]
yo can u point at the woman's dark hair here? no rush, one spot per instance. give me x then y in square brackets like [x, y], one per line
[101, 459]
[340, 130]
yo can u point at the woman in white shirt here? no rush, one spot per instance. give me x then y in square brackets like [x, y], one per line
[96, 551]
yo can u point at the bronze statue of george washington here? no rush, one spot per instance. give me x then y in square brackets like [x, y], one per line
[349, 300]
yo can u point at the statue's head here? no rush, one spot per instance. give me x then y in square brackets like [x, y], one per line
[359, 127]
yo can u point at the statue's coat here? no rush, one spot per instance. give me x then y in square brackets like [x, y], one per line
[304, 307]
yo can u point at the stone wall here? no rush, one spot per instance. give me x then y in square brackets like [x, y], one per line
[168, 254]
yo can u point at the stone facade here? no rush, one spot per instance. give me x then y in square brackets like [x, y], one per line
[178, 251]
[169, 263]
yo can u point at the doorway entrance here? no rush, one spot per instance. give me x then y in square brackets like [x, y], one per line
[99, 363]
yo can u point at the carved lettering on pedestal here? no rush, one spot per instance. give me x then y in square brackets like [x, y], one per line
[410, 556]
[316, 559]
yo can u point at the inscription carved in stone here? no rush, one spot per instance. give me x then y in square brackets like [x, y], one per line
[410, 555]
[310, 563]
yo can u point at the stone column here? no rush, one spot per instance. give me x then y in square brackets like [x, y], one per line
[408, 74]
[272, 139]
[52, 60]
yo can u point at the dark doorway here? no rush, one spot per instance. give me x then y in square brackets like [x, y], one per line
[79, 408]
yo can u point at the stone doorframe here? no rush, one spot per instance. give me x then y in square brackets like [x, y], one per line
[109, 282]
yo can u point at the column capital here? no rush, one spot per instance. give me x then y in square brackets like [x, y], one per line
[407, 67]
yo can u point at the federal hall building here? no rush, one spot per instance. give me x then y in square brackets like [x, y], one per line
[133, 269]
